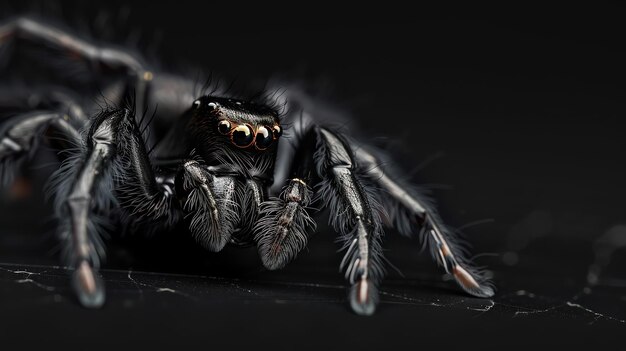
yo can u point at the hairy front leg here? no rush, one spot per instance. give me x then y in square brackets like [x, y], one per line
[209, 204]
[112, 161]
[281, 231]
[355, 214]
[284, 223]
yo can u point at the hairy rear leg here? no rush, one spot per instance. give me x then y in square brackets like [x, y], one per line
[409, 209]
[112, 162]
[47, 35]
[21, 135]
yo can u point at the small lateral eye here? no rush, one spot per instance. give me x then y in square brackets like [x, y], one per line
[278, 131]
[242, 135]
[264, 138]
[196, 104]
[223, 127]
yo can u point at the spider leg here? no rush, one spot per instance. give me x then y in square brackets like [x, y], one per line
[354, 213]
[408, 208]
[210, 201]
[174, 94]
[283, 224]
[46, 34]
[20, 135]
[24, 27]
[113, 157]
[281, 231]
[26, 98]
[83, 244]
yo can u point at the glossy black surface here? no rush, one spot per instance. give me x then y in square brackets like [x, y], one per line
[528, 119]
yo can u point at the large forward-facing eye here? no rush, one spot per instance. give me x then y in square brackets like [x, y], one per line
[242, 135]
[264, 138]
[224, 127]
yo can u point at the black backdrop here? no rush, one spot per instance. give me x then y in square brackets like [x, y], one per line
[523, 119]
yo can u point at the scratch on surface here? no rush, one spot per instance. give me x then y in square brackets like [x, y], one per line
[166, 290]
[310, 285]
[487, 308]
[28, 280]
[237, 286]
[414, 301]
[156, 288]
[21, 272]
[130, 272]
[536, 311]
[596, 314]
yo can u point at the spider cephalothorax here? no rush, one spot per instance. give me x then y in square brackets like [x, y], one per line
[214, 170]
[247, 125]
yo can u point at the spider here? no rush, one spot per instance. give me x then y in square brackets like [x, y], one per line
[214, 169]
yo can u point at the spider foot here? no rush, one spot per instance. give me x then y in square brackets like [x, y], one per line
[363, 297]
[88, 286]
[470, 285]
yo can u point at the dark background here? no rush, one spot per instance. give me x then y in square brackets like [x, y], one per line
[522, 119]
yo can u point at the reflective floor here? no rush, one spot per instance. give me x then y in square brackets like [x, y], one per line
[179, 295]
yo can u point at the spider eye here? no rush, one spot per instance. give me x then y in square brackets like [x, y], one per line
[196, 104]
[223, 127]
[242, 135]
[264, 138]
[278, 131]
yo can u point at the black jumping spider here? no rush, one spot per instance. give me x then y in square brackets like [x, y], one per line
[213, 169]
